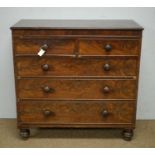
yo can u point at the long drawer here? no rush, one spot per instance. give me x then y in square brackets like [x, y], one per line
[73, 112]
[67, 66]
[76, 89]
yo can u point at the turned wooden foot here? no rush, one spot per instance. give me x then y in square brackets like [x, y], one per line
[25, 133]
[127, 134]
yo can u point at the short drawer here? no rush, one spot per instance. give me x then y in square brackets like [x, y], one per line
[76, 112]
[109, 47]
[76, 89]
[67, 66]
[51, 46]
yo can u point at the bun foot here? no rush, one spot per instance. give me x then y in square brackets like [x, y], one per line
[127, 134]
[25, 133]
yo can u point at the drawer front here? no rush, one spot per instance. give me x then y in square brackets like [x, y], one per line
[76, 89]
[109, 47]
[74, 112]
[61, 66]
[51, 46]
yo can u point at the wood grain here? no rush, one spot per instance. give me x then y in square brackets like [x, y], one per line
[83, 112]
[62, 66]
[55, 46]
[21, 33]
[93, 46]
[76, 89]
[76, 24]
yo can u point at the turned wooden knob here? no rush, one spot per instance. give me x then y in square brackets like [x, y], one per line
[108, 47]
[106, 89]
[45, 67]
[44, 47]
[106, 67]
[105, 113]
[47, 89]
[47, 112]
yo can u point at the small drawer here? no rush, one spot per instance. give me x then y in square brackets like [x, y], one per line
[51, 46]
[76, 112]
[76, 89]
[109, 47]
[62, 66]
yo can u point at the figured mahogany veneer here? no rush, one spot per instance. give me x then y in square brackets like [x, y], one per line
[62, 66]
[62, 112]
[87, 77]
[92, 46]
[76, 89]
[55, 46]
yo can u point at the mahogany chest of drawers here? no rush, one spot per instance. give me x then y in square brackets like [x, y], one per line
[76, 74]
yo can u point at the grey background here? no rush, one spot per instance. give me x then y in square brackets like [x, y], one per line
[144, 16]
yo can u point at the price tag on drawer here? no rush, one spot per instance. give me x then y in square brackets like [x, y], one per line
[41, 52]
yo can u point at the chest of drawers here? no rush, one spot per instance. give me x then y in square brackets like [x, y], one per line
[87, 76]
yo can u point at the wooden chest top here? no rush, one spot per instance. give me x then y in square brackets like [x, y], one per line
[77, 24]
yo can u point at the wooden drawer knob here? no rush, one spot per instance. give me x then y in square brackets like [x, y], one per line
[105, 113]
[44, 47]
[108, 47]
[106, 67]
[47, 112]
[47, 89]
[45, 67]
[106, 89]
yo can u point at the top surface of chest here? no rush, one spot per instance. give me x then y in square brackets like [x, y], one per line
[77, 24]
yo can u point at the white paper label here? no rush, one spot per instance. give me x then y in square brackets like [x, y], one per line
[41, 52]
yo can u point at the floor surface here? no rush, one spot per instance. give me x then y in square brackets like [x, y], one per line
[144, 136]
